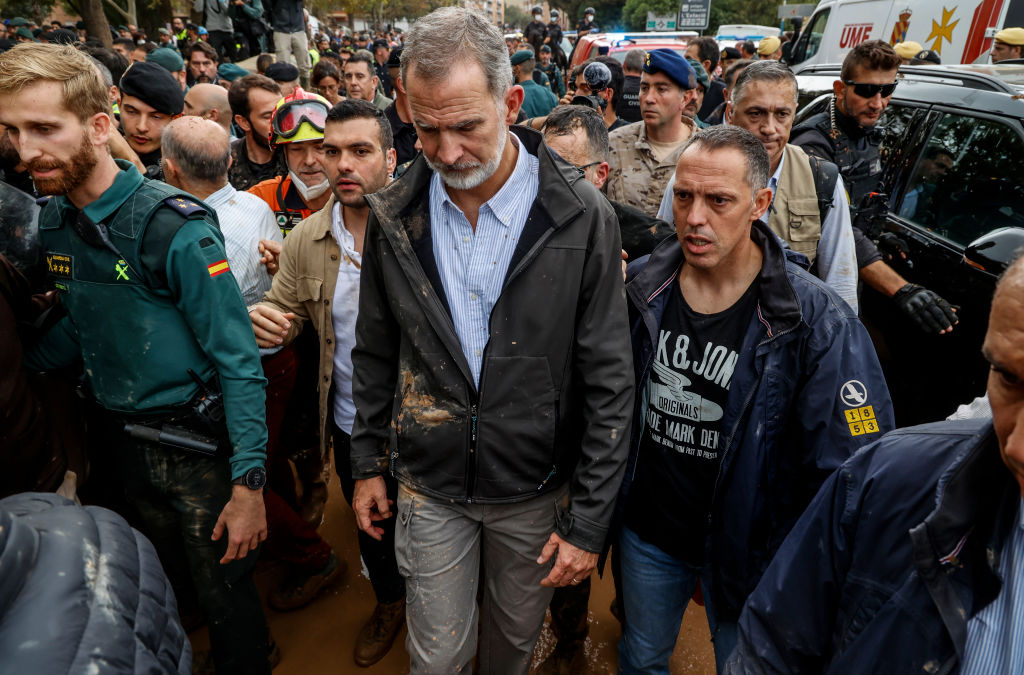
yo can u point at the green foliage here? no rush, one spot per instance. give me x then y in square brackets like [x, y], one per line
[36, 10]
[634, 14]
[516, 17]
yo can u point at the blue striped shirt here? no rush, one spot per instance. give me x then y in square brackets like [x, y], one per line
[995, 635]
[472, 265]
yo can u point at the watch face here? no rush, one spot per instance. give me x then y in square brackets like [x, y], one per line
[255, 478]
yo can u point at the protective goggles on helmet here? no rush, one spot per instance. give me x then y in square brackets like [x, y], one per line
[868, 90]
[289, 118]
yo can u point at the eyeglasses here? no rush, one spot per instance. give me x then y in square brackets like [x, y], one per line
[291, 115]
[868, 90]
[587, 166]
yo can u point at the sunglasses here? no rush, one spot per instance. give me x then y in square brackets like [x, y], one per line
[292, 114]
[866, 90]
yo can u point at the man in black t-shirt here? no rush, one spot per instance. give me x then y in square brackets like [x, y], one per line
[754, 382]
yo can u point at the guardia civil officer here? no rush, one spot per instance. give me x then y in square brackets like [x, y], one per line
[156, 319]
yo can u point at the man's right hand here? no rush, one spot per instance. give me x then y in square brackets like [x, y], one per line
[269, 325]
[929, 311]
[371, 504]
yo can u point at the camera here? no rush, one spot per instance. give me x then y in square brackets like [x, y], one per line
[598, 77]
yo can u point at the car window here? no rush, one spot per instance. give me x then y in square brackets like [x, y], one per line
[810, 38]
[966, 183]
[894, 125]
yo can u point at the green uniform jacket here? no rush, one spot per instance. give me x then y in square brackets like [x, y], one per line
[164, 303]
[538, 100]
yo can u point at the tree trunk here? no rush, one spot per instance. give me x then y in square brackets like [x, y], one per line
[96, 25]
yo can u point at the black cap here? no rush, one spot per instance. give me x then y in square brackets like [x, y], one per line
[731, 53]
[63, 36]
[154, 86]
[282, 71]
[395, 58]
[927, 56]
[381, 43]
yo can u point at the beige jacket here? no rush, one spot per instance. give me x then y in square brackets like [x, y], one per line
[304, 285]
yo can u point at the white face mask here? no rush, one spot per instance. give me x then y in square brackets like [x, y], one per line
[309, 192]
[536, 17]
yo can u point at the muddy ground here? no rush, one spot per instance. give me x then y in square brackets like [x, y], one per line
[320, 638]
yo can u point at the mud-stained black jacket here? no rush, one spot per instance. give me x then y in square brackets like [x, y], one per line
[556, 382]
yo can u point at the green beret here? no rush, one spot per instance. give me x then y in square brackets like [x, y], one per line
[18, 21]
[521, 56]
[168, 58]
[702, 75]
[231, 71]
[25, 33]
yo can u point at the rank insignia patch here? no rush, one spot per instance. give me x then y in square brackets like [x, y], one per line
[59, 265]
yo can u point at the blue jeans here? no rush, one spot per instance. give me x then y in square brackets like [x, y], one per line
[656, 589]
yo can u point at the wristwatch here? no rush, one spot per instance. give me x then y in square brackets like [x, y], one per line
[254, 479]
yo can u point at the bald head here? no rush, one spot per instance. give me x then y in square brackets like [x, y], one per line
[209, 101]
[198, 151]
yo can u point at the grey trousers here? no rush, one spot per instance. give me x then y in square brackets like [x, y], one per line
[443, 550]
[293, 48]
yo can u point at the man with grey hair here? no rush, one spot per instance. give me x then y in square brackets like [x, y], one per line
[504, 419]
[209, 101]
[754, 382]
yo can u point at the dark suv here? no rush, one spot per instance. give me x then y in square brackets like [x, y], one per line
[952, 144]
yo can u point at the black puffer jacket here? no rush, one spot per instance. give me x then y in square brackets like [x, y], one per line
[82, 592]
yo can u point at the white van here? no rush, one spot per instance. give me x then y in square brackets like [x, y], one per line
[730, 34]
[960, 31]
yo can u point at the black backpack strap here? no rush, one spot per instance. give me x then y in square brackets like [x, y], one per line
[826, 174]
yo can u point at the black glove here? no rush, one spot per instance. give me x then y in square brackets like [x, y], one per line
[931, 313]
[892, 247]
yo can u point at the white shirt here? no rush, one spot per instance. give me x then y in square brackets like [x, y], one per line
[344, 310]
[245, 219]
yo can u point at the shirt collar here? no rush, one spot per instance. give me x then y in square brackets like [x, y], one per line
[505, 201]
[126, 182]
[773, 182]
[221, 196]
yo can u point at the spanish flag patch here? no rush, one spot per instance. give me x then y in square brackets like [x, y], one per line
[218, 268]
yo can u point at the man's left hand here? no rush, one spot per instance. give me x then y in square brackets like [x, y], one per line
[572, 565]
[270, 254]
[245, 519]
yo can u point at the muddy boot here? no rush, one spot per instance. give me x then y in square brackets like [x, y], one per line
[379, 632]
[299, 591]
[568, 658]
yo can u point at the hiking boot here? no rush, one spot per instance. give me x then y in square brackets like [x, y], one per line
[299, 591]
[379, 633]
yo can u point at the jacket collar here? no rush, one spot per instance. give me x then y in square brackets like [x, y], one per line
[396, 200]
[320, 221]
[970, 494]
[778, 307]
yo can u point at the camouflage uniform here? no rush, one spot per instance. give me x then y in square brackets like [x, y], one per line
[243, 174]
[636, 178]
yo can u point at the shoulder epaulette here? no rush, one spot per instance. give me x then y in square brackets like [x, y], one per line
[185, 207]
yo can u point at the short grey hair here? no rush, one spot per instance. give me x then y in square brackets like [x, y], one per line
[634, 60]
[728, 137]
[566, 119]
[198, 160]
[451, 35]
[763, 71]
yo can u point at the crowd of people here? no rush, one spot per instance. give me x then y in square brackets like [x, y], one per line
[532, 318]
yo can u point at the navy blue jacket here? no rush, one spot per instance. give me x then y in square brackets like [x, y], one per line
[82, 592]
[806, 379]
[891, 559]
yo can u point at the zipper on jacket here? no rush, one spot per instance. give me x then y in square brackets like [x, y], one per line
[394, 458]
[743, 411]
[549, 477]
[471, 470]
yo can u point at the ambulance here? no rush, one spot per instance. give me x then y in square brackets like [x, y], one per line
[960, 31]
